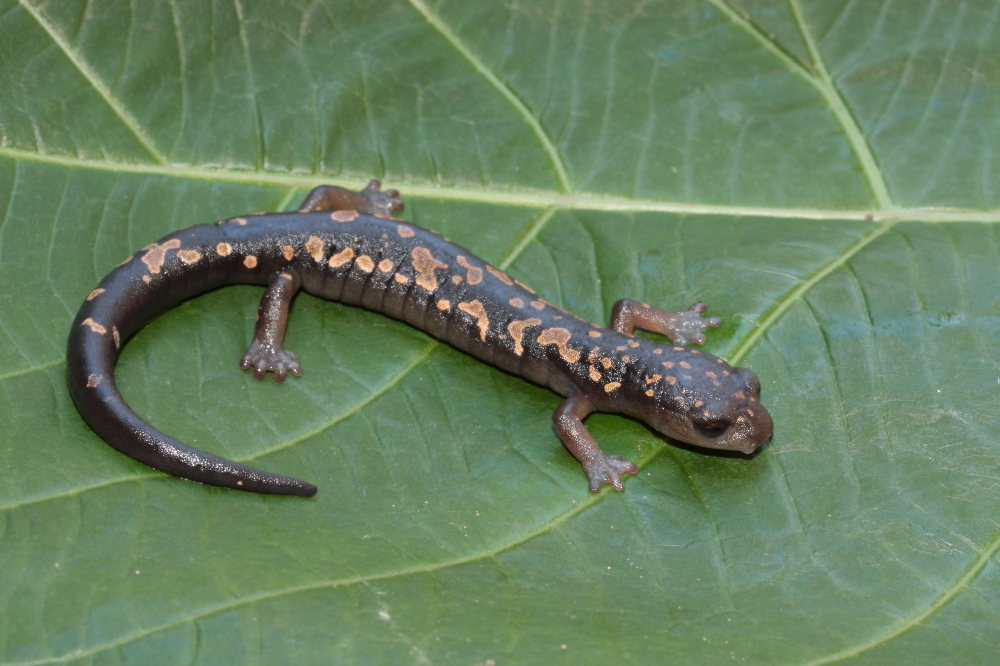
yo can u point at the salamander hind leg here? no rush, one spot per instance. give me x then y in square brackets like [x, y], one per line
[267, 352]
[370, 200]
[683, 327]
[600, 467]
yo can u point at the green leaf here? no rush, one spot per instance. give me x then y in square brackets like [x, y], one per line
[822, 173]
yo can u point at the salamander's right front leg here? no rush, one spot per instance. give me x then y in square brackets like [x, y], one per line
[267, 352]
[599, 466]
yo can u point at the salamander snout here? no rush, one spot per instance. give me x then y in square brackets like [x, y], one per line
[733, 420]
[742, 424]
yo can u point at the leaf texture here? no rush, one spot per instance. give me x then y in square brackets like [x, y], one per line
[822, 173]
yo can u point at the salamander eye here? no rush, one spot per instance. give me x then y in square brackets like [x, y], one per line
[711, 428]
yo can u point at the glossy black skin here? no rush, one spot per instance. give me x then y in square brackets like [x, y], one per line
[708, 402]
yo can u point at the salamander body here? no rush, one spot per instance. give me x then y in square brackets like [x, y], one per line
[346, 246]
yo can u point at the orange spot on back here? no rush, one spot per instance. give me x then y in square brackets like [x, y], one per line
[365, 263]
[611, 386]
[385, 265]
[250, 261]
[516, 302]
[516, 330]
[94, 326]
[156, 254]
[223, 249]
[189, 256]
[559, 337]
[289, 252]
[595, 376]
[314, 246]
[94, 294]
[344, 215]
[93, 381]
[400, 278]
[475, 275]
[341, 258]
[594, 334]
[606, 362]
[500, 275]
[443, 304]
[476, 309]
[425, 264]
[405, 231]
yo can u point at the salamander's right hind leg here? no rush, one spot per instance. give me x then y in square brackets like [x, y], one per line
[267, 351]
[370, 200]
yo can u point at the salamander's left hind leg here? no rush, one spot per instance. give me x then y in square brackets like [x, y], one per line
[683, 327]
[267, 352]
[370, 200]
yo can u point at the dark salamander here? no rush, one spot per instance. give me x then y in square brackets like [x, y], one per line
[346, 246]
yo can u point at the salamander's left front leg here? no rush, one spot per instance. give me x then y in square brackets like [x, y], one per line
[683, 327]
[370, 200]
[267, 352]
[599, 466]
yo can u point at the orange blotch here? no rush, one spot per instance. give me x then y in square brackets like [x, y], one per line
[559, 337]
[341, 258]
[156, 254]
[475, 275]
[94, 326]
[516, 330]
[314, 246]
[476, 309]
[500, 275]
[365, 263]
[189, 256]
[425, 264]
[344, 215]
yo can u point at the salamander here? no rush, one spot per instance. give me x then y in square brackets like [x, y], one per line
[348, 246]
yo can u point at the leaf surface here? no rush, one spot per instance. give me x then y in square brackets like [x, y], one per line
[821, 173]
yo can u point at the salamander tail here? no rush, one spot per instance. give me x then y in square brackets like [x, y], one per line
[90, 360]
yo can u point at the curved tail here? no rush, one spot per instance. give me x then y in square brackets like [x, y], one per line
[92, 350]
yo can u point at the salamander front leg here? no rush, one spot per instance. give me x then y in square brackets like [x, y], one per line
[684, 327]
[370, 200]
[600, 467]
[267, 352]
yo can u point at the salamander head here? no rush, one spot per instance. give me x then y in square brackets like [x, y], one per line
[713, 405]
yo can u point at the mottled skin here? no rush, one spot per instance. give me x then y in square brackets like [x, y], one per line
[345, 246]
